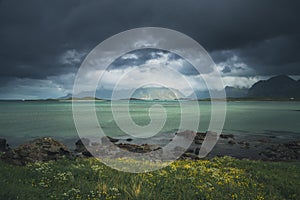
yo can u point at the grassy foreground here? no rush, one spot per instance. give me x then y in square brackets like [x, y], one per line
[219, 178]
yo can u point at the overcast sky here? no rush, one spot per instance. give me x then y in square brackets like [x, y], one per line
[42, 43]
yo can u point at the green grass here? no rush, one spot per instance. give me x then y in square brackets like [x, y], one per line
[219, 178]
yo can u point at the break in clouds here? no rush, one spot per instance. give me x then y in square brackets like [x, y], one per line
[42, 43]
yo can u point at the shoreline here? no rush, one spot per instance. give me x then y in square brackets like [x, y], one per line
[89, 99]
[264, 148]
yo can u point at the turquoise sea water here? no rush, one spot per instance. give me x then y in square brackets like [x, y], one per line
[23, 121]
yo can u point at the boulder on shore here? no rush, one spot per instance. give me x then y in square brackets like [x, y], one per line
[43, 149]
[3, 145]
[80, 144]
[81, 147]
[113, 140]
[226, 136]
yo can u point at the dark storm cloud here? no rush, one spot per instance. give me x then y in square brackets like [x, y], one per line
[279, 55]
[35, 35]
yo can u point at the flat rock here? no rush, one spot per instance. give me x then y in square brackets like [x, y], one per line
[112, 139]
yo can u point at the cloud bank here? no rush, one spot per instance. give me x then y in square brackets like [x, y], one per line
[42, 43]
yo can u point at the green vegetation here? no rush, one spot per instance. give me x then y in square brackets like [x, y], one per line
[219, 178]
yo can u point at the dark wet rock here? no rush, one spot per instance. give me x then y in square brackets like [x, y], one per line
[269, 154]
[263, 141]
[130, 147]
[197, 151]
[129, 139]
[43, 149]
[113, 140]
[81, 149]
[190, 156]
[199, 138]
[244, 145]
[282, 152]
[154, 147]
[3, 145]
[226, 136]
[144, 148]
[232, 142]
[190, 150]
[87, 154]
[198, 141]
[294, 145]
[108, 139]
[81, 144]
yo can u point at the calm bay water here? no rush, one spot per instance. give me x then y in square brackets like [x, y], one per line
[23, 121]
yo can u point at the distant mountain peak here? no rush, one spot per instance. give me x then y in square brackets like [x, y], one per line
[281, 78]
[281, 86]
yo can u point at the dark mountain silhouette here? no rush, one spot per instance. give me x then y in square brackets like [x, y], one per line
[281, 86]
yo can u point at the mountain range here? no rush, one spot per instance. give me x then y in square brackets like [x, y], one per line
[144, 93]
[277, 87]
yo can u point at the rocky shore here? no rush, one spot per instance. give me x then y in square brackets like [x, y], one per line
[43, 149]
[46, 149]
